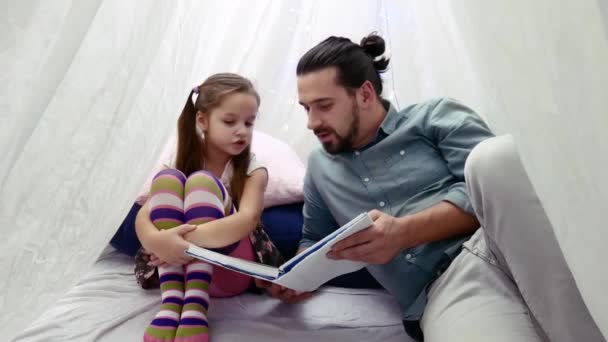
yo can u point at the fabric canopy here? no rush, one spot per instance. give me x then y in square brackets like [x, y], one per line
[92, 89]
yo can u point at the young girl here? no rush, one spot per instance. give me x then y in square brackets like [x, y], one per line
[212, 196]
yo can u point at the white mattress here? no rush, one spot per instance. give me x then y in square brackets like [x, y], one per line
[108, 305]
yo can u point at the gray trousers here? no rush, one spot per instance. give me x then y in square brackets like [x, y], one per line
[511, 282]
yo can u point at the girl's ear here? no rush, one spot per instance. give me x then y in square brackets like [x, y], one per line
[202, 122]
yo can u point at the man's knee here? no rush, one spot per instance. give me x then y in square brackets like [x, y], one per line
[494, 158]
[493, 167]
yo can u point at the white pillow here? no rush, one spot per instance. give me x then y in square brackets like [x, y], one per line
[285, 169]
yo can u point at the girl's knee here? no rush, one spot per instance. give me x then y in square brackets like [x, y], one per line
[207, 181]
[203, 173]
[168, 180]
[171, 173]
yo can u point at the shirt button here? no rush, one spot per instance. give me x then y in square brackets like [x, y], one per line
[382, 203]
[366, 179]
[402, 152]
[408, 256]
[357, 153]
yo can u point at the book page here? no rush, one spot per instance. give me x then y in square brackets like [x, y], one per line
[362, 221]
[247, 267]
[316, 268]
[304, 272]
[309, 275]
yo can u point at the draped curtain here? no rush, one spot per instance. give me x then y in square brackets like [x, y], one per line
[91, 91]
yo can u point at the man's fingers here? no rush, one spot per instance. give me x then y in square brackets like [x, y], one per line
[295, 297]
[284, 294]
[262, 284]
[375, 214]
[353, 240]
[276, 290]
[358, 253]
[279, 292]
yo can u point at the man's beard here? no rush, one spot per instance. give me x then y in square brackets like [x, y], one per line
[345, 143]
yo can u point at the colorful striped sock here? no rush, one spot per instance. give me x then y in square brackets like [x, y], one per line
[193, 325]
[166, 212]
[166, 321]
[206, 200]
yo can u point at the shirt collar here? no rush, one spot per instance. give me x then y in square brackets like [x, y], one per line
[389, 124]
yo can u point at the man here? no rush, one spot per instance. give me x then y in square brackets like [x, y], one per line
[407, 168]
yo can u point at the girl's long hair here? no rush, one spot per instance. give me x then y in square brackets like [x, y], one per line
[191, 147]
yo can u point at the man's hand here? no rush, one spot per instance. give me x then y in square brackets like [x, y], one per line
[378, 244]
[168, 246]
[282, 293]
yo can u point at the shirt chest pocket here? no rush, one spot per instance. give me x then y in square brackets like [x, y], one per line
[416, 169]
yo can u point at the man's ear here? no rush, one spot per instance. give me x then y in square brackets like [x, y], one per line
[367, 94]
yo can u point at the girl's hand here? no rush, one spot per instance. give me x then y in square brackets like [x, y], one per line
[155, 261]
[168, 246]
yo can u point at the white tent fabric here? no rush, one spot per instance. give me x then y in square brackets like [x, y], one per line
[91, 90]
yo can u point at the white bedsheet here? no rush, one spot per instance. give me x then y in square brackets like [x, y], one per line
[108, 305]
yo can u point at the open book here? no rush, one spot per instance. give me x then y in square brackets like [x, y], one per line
[305, 271]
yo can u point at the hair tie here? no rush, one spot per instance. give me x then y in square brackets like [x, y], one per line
[385, 55]
[195, 90]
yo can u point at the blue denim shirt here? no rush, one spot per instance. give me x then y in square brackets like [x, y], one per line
[416, 161]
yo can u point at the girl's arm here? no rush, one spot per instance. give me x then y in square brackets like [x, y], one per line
[168, 245]
[144, 228]
[230, 229]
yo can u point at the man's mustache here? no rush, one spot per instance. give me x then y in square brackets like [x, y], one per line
[322, 131]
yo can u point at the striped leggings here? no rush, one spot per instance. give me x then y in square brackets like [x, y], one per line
[176, 199]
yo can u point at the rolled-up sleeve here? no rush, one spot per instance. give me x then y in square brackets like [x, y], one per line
[456, 130]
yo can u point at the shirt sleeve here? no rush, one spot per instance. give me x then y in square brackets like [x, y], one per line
[165, 161]
[254, 164]
[456, 130]
[318, 220]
